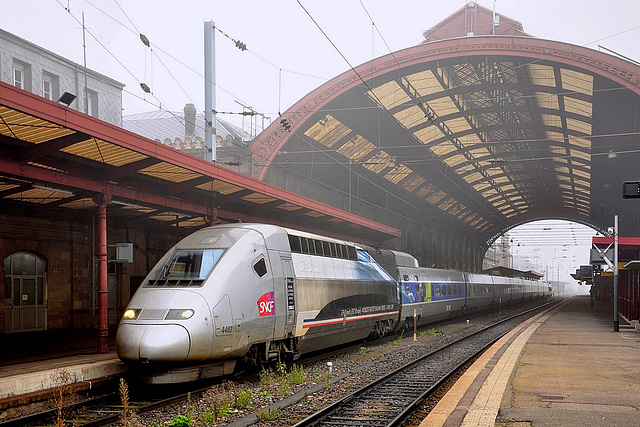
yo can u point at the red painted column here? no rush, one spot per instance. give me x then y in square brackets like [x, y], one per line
[103, 289]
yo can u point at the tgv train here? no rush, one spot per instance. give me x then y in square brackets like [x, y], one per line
[258, 293]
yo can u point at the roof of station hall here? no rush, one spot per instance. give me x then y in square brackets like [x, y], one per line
[54, 160]
[482, 124]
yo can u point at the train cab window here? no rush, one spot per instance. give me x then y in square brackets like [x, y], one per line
[405, 277]
[187, 267]
[319, 250]
[304, 245]
[294, 242]
[260, 267]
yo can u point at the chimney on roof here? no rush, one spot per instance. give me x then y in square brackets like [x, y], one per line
[189, 120]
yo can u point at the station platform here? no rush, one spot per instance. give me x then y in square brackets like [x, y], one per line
[34, 363]
[563, 368]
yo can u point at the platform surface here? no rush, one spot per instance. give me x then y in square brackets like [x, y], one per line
[563, 368]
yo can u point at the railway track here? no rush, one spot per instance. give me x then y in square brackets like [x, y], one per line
[103, 410]
[390, 399]
[406, 389]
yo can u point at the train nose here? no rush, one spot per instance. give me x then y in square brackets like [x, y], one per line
[167, 343]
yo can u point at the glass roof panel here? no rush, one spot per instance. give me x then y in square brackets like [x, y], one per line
[328, 131]
[356, 148]
[458, 125]
[411, 183]
[390, 94]
[547, 100]
[258, 198]
[551, 120]
[436, 196]
[397, 174]
[428, 134]
[425, 82]
[410, 117]
[444, 106]
[575, 81]
[580, 142]
[579, 126]
[378, 163]
[581, 173]
[554, 136]
[219, 186]
[104, 152]
[541, 75]
[443, 149]
[169, 172]
[455, 160]
[581, 155]
[578, 106]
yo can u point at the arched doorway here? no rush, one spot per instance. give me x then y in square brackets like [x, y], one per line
[25, 293]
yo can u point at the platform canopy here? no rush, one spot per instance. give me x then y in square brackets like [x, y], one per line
[55, 161]
[481, 127]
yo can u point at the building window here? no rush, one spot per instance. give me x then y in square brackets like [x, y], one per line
[46, 88]
[21, 75]
[92, 103]
[50, 86]
[18, 76]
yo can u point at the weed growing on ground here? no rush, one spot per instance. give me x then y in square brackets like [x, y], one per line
[269, 414]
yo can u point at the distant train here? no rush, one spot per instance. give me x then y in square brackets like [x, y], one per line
[258, 293]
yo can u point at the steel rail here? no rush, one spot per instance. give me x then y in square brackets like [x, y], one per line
[389, 399]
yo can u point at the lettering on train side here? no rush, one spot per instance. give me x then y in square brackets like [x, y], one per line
[266, 305]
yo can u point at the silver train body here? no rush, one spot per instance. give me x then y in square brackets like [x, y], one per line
[430, 294]
[258, 293]
[254, 292]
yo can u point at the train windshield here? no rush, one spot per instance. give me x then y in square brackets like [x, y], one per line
[185, 268]
[191, 264]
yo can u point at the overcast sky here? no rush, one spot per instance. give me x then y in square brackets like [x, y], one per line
[279, 35]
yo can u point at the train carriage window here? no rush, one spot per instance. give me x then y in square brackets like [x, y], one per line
[304, 245]
[352, 253]
[260, 267]
[338, 251]
[319, 250]
[294, 242]
[449, 290]
[334, 250]
[312, 247]
[459, 289]
[405, 277]
[326, 247]
[437, 290]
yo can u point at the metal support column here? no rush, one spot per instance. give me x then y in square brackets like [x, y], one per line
[616, 320]
[103, 289]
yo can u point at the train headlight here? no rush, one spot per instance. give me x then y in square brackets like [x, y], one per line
[179, 314]
[131, 314]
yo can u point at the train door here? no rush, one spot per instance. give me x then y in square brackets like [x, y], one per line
[287, 323]
[25, 293]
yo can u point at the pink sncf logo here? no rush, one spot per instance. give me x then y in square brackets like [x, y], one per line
[266, 306]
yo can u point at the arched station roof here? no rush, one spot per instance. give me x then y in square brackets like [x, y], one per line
[485, 132]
